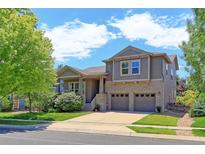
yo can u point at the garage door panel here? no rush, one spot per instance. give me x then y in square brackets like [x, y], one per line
[120, 102]
[144, 102]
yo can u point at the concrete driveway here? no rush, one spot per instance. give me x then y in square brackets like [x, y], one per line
[125, 118]
[100, 122]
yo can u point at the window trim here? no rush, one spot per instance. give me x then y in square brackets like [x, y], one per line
[74, 87]
[138, 60]
[130, 67]
[127, 68]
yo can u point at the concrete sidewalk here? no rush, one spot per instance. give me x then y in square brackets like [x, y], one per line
[169, 127]
[114, 130]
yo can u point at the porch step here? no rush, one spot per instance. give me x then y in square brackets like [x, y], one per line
[87, 107]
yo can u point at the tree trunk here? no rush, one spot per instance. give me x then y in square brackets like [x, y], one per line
[30, 102]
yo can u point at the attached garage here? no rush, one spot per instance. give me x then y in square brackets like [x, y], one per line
[144, 102]
[120, 102]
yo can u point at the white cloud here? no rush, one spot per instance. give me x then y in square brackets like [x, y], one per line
[146, 27]
[77, 39]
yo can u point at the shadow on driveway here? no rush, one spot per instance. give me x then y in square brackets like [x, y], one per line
[4, 129]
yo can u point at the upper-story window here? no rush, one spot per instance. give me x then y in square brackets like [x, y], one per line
[136, 67]
[167, 68]
[172, 74]
[124, 67]
[130, 67]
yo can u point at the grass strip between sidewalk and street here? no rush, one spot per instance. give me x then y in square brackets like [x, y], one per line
[20, 123]
[199, 122]
[198, 132]
[43, 116]
[151, 130]
[158, 119]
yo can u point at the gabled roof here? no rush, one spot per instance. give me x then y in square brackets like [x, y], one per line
[174, 58]
[99, 70]
[66, 67]
[137, 50]
[95, 70]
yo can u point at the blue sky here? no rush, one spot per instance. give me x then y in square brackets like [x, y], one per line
[84, 37]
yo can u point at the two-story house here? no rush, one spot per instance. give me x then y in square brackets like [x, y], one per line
[131, 80]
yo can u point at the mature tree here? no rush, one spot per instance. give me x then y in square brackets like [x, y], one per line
[26, 65]
[194, 50]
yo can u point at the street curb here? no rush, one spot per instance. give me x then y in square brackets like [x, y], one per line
[131, 133]
[28, 120]
[25, 127]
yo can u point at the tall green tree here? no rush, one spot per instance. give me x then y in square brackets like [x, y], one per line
[26, 65]
[194, 50]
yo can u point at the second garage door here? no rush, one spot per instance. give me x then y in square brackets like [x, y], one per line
[120, 102]
[144, 102]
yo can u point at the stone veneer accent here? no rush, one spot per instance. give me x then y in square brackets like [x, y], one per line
[152, 86]
[101, 99]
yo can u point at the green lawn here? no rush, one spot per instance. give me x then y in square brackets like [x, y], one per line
[14, 122]
[158, 119]
[200, 133]
[43, 116]
[199, 122]
[150, 130]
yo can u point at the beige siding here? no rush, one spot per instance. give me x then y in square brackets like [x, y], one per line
[68, 73]
[156, 64]
[92, 88]
[143, 71]
[109, 67]
[170, 84]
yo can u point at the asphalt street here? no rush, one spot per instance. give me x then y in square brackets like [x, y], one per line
[44, 137]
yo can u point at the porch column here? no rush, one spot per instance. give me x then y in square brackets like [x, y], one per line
[81, 86]
[101, 86]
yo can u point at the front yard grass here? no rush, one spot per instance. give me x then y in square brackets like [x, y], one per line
[199, 122]
[43, 116]
[14, 122]
[158, 119]
[198, 132]
[151, 130]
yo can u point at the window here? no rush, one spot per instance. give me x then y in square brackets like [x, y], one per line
[130, 67]
[73, 86]
[167, 67]
[147, 95]
[172, 74]
[124, 68]
[136, 67]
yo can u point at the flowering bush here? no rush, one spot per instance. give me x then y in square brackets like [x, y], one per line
[188, 98]
[68, 102]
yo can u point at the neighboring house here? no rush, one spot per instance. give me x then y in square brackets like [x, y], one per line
[131, 80]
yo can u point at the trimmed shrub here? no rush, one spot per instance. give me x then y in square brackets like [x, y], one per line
[68, 102]
[198, 109]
